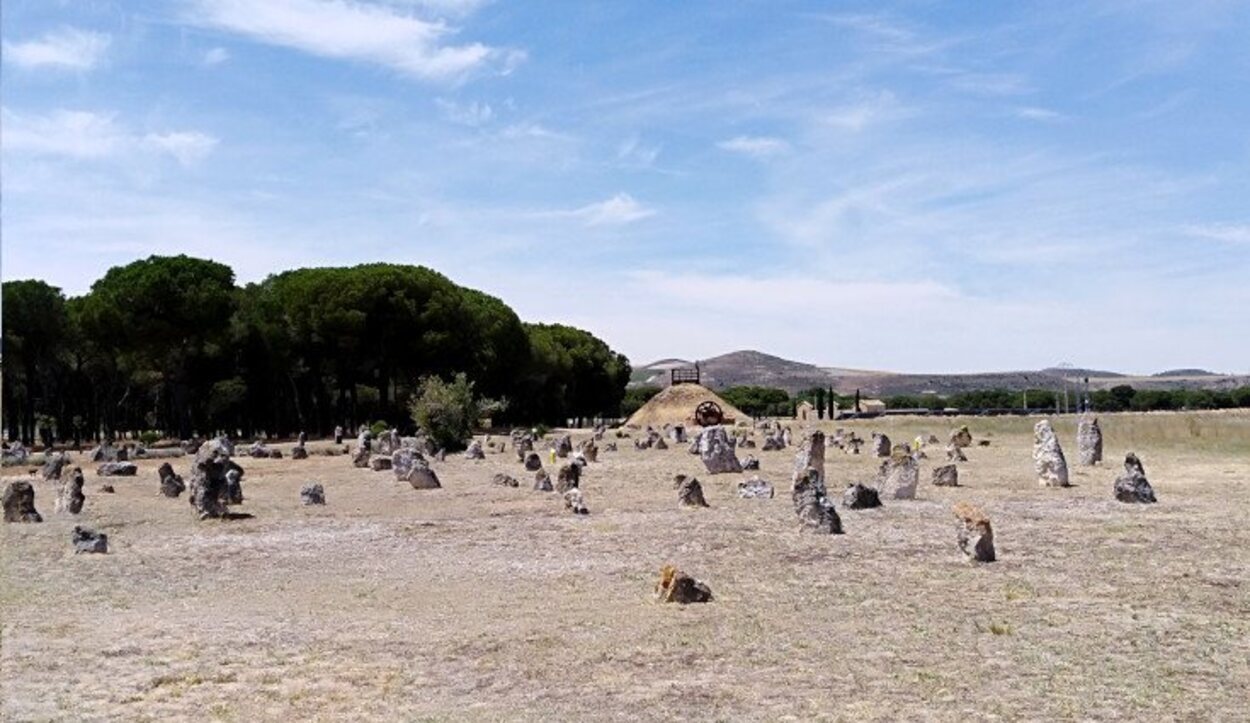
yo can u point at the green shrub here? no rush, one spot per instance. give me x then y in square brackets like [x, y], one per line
[379, 428]
[149, 438]
[445, 411]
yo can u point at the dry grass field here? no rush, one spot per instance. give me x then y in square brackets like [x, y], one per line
[479, 602]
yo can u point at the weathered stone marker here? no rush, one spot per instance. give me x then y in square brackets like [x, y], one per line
[1089, 441]
[975, 536]
[675, 586]
[19, 502]
[1048, 460]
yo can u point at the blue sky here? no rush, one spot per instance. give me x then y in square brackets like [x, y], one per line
[915, 186]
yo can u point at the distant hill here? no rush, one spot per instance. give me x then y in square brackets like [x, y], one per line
[756, 368]
[1080, 373]
[1187, 373]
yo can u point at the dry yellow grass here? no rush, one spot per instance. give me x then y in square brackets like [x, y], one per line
[484, 602]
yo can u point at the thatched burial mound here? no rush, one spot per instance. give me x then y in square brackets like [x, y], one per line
[676, 406]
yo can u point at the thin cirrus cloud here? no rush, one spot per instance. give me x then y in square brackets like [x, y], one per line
[755, 146]
[85, 135]
[1038, 114]
[1225, 232]
[619, 210]
[365, 32]
[466, 114]
[64, 49]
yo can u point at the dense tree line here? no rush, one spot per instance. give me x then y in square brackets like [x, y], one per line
[173, 344]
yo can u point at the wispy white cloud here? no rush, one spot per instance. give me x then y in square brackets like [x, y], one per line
[1227, 232]
[64, 49]
[366, 32]
[216, 56]
[1038, 114]
[619, 210]
[531, 130]
[473, 114]
[84, 135]
[868, 111]
[188, 148]
[634, 152]
[756, 146]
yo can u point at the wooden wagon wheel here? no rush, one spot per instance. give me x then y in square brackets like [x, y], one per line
[708, 414]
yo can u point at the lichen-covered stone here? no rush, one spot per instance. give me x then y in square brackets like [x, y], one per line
[812, 505]
[899, 475]
[860, 497]
[1089, 441]
[690, 492]
[54, 463]
[312, 494]
[505, 480]
[575, 502]
[19, 502]
[89, 541]
[946, 476]
[975, 535]
[1048, 460]
[717, 451]
[755, 488]
[71, 499]
[1132, 486]
[675, 586]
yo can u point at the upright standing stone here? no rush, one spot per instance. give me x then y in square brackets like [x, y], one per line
[209, 488]
[811, 455]
[338, 434]
[411, 467]
[1048, 460]
[54, 463]
[575, 502]
[678, 434]
[717, 451]
[19, 502]
[690, 492]
[1132, 486]
[975, 536]
[234, 484]
[1089, 441]
[955, 453]
[812, 505]
[946, 476]
[71, 498]
[568, 477]
[961, 437]
[880, 445]
[899, 475]
[542, 481]
[564, 446]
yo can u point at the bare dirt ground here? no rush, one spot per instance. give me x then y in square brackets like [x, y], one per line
[484, 602]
